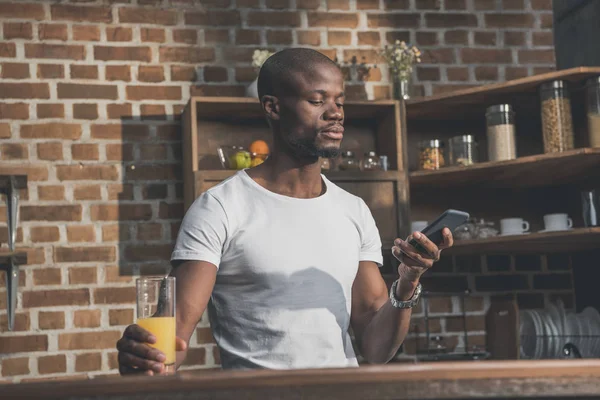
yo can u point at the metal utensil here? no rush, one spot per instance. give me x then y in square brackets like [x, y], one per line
[12, 272]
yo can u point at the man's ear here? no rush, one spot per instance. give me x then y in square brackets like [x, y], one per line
[270, 105]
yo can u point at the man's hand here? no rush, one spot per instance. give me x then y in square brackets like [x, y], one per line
[413, 263]
[136, 357]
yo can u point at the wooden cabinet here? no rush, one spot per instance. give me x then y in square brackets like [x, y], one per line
[210, 122]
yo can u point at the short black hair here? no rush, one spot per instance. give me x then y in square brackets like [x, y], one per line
[277, 70]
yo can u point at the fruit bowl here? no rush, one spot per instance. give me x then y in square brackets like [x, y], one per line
[237, 157]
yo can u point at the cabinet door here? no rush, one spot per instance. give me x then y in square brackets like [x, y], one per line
[576, 33]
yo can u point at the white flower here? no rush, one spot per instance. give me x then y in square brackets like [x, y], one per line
[259, 57]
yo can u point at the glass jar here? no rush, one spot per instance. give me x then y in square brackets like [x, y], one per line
[463, 150]
[500, 121]
[371, 162]
[349, 162]
[325, 164]
[431, 154]
[593, 111]
[557, 123]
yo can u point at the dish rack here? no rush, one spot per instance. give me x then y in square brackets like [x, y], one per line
[433, 348]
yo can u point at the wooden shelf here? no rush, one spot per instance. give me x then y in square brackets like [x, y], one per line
[577, 239]
[531, 171]
[334, 176]
[521, 93]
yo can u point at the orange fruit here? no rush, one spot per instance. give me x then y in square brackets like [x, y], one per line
[259, 147]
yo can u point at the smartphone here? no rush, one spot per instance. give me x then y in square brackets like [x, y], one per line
[450, 219]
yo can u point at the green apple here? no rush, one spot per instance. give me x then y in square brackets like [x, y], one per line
[241, 160]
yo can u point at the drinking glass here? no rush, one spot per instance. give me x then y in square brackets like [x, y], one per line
[156, 314]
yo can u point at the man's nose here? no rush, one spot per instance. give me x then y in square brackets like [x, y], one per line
[334, 113]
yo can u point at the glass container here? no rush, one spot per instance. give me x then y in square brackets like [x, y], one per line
[593, 111]
[557, 122]
[463, 150]
[431, 154]
[371, 162]
[500, 121]
[349, 162]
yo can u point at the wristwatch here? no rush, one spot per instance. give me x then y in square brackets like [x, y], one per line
[410, 303]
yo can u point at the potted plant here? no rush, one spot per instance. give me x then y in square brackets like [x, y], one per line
[400, 59]
[258, 59]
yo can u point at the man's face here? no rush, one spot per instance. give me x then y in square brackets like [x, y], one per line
[312, 114]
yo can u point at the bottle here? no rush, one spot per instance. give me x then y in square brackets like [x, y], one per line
[557, 123]
[371, 162]
[500, 121]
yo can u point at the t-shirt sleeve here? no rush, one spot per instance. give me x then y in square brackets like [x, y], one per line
[202, 233]
[371, 241]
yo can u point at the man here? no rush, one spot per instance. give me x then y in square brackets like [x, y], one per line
[288, 260]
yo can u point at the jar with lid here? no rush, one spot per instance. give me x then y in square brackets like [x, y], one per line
[463, 150]
[593, 111]
[431, 154]
[349, 162]
[371, 162]
[500, 121]
[557, 123]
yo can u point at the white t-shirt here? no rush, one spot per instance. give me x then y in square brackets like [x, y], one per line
[286, 266]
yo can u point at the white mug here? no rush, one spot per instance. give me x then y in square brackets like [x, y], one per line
[513, 226]
[418, 226]
[557, 222]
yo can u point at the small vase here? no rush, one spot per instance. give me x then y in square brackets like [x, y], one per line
[401, 88]
[252, 89]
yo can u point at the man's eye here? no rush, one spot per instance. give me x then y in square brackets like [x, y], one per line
[316, 102]
[340, 105]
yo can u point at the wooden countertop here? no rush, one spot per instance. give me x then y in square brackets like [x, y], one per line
[442, 380]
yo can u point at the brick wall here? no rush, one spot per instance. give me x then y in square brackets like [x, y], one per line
[90, 98]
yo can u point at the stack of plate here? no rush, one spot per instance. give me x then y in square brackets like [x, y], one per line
[544, 333]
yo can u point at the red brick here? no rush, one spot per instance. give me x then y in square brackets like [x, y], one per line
[367, 4]
[15, 71]
[154, 16]
[117, 111]
[278, 18]
[47, 276]
[392, 36]
[149, 232]
[84, 254]
[155, 35]
[88, 362]
[51, 320]
[17, 30]
[129, 53]
[546, 21]
[24, 91]
[51, 213]
[33, 172]
[53, 32]
[112, 233]
[216, 36]
[86, 33]
[113, 274]
[396, 4]
[52, 364]
[87, 192]
[84, 71]
[188, 36]
[82, 275]
[50, 151]
[485, 5]
[87, 318]
[186, 54]
[218, 90]
[23, 11]
[196, 356]
[120, 317]
[485, 38]
[506, 20]
[120, 132]
[514, 39]
[148, 252]
[339, 38]
[153, 92]
[455, 4]
[456, 37]
[215, 74]
[513, 4]
[51, 193]
[50, 71]
[486, 56]
[89, 172]
[85, 111]
[153, 111]
[14, 111]
[371, 38]
[21, 344]
[245, 74]
[332, 20]
[541, 5]
[85, 151]
[308, 4]
[428, 73]
[247, 36]
[118, 73]
[338, 5]
[62, 51]
[81, 13]
[213, 18]
[151, 73]
[118, 295]
[204, 336]
[486, 73]
[49, 298]
[183, 73]
[247, 4]
[50, 111]
[81, 233]
[445, 20]
[44, 234]
[125, 212]
[22, 321]
[310, 38]
[5, 132]
[119, 34]
[542, 39]
[390, 20]
[278, 4]
[51, 130]
[154, 172]
[15, 366]
[8, 50]
[536, 56]
[86, 91]
[88, 340]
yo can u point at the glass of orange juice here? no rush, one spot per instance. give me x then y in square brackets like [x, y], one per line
[156, 314]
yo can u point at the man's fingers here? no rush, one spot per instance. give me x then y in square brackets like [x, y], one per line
[128, 360]
[430, 248]
[409, 256]
[140, 350]
[448, 239]
[180, 344]
[139, 334]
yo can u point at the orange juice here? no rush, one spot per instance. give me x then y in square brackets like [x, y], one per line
[163, 328]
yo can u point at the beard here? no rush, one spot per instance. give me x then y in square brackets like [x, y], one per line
[306, 148]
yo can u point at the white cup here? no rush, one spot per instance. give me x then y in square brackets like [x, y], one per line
[557, 222]
[513, 226]
[418, 226]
